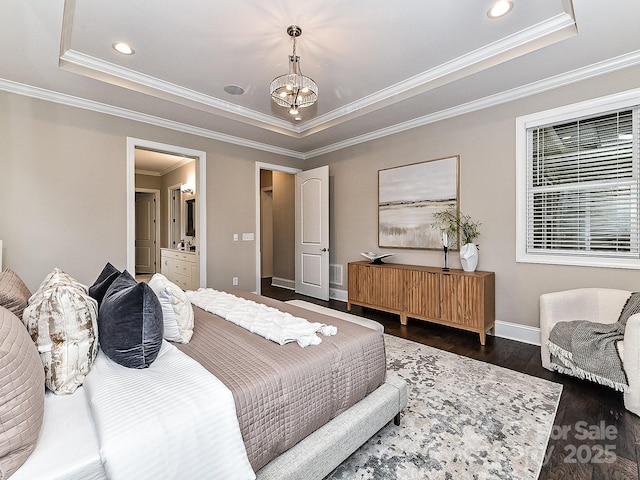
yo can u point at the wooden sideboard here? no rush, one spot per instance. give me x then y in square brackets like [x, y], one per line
[180, 267]
[456, 298]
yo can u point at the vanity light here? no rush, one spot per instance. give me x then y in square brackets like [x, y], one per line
[123, 48]
[500, 8]
[186, 189]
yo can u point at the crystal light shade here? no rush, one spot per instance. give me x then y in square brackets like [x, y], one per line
[294, 90]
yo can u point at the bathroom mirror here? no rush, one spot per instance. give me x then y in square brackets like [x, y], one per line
[190, 215]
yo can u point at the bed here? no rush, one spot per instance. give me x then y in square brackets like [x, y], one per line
[289, 392]
[288, 430]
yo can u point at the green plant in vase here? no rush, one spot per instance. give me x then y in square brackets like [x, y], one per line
[451, 222]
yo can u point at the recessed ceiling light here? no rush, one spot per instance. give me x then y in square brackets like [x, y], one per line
[234, 90]
[298, 118]
[500, 8]
[123, 48]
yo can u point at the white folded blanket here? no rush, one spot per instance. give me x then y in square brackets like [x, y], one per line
[268, 322]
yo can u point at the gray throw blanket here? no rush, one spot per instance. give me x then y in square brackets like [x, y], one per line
[588, 349]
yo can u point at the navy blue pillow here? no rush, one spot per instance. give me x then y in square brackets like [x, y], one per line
[101, 285]
[130, 324]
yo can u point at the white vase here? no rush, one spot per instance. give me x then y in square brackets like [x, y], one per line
[469, 257]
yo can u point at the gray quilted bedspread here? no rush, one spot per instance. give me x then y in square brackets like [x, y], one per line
[283, 393]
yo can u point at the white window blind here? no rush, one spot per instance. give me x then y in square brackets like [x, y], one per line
[582, 187]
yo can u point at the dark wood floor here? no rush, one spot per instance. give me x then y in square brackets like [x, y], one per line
[594, 436]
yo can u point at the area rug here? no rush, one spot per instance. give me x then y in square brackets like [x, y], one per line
[465, 419]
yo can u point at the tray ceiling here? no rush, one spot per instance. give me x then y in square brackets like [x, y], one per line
[380, 66]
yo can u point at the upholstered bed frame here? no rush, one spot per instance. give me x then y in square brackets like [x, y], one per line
[326, 448]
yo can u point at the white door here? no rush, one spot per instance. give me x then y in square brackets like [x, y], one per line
[312, 233]
[145, 246]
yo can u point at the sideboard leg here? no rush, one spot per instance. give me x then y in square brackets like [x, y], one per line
[403, 318]
[483, 337]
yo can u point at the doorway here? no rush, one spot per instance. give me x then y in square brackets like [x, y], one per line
[277, 228]
[309, 247]
[275, 225]
[197, 190]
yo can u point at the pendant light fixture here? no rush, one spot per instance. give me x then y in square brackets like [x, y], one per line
[293, 90]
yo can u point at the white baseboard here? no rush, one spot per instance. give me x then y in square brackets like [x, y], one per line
[283, 283]
[520, 333]
[512, 331]
[338, 294]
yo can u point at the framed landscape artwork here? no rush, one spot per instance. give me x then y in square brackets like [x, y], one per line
[407, 198]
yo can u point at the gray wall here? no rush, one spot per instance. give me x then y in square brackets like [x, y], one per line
[63, 198]
[63, 192]
[485, 141]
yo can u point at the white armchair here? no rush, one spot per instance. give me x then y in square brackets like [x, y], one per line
[601, 305]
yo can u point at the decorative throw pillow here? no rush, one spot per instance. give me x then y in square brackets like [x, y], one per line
[177, 311]
[62, 320]
[14, 294]
[130, 325]
[105, 279]
[21, 394]
[56, 278]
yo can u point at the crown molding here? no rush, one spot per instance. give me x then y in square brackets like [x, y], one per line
[532, 38]
[150, 173]
[551, 30]
[611, 65]
[72, 101]
[607, 66]
[175, 166]
[93, 67]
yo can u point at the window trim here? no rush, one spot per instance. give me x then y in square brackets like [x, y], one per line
[567, 113]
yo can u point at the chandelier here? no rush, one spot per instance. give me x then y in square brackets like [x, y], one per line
[294, 90]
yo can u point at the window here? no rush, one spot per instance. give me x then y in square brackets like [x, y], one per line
[578, 184]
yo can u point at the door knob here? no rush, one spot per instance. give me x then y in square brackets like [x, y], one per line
[324, 249]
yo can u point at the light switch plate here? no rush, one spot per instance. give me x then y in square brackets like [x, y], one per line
[248, 236]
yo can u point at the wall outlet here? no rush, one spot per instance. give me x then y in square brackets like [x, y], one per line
[235, 280]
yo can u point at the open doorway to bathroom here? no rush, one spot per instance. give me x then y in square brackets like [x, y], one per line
[178, 175]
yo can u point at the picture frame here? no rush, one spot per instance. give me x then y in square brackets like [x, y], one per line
[408, 196]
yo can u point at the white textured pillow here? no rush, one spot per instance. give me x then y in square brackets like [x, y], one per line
[177, 311]
[55, 278]
[62, 320]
